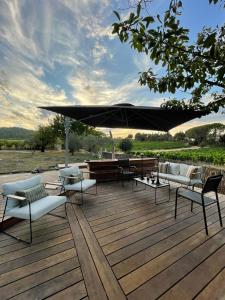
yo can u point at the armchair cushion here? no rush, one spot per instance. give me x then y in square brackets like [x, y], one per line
[81, 185]
[38, 208]
[32, 194]
[13, 187]
[68, 172]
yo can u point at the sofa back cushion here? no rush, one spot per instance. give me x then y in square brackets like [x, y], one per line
[71, 171]
[184, 169]
[13, 187]
[163, 167]
[32, 194]
[174, 168]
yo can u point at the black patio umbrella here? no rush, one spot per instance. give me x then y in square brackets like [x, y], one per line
[127, 116]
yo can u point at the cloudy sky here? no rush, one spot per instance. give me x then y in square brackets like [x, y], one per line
[62, 52]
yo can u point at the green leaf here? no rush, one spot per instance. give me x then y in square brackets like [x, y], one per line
[148, 20]
[117, 14]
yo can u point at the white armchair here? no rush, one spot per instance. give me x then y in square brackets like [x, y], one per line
[72, 180]
[28, 209]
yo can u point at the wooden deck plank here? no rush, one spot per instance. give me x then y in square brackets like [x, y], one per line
[173, 274]
[93, 283]
[177, 244]
[215, 289]
[111, 285]
[195, 281]
[24, 284]
[52, 286]
[74, 292]
[36, 256]
[37, 266]
[158, 234]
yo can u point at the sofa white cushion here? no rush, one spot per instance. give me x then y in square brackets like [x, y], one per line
[86, 184]
[178, 178]
[184, 169]
[174, 168]
[12, 187]
[39, 208]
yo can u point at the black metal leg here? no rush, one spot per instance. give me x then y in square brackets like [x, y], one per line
[219, 212]
[191, 206]
[205, 221]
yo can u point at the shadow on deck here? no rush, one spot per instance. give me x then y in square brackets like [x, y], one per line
[118, 245]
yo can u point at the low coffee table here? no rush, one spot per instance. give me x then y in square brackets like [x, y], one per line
[146, 182]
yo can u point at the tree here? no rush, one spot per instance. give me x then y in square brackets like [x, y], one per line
[179, 136]
[44, 137]
[75, 143]
[200, 133]
[76, 127]
[126, 145]
[197, 67]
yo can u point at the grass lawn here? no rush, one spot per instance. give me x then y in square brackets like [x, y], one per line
[152, 145]
[12, 161]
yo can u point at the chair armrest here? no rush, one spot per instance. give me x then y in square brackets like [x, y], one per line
[120, 168]
[90, 172]
[53, 183]
[16, 197]
[134, 167]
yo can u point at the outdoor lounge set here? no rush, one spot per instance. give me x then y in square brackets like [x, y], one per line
[28, 199]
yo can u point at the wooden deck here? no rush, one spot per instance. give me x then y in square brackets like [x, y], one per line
[119, 245]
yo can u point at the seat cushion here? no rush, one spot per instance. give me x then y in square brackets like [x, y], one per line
[38, 208]
[80, 186]
[13, 187]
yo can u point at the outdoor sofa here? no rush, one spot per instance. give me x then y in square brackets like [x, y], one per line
[184, 174]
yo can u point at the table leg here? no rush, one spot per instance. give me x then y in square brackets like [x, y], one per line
[155, 195]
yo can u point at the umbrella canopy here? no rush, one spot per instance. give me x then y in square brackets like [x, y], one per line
[127, 116]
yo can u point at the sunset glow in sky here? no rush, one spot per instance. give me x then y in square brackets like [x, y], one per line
[62, 52]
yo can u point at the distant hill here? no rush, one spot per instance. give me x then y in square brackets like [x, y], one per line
[15, 133]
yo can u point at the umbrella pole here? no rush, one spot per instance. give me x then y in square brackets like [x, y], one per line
[113, 145]
[67, 129]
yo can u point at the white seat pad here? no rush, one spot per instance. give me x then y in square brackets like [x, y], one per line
[38, 208]
[86, 184]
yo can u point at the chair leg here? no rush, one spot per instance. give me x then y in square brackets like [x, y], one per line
[219, 212]
[192, 206]
[205, 221]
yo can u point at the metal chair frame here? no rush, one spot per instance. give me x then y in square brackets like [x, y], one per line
[125, 164]
[211, 185]
[30, 218]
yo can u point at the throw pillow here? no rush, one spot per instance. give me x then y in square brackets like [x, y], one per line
[190, 172]
[163, 167]
[75, 179]
[32, 194]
